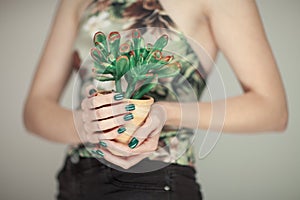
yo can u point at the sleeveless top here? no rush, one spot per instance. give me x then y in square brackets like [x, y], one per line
[175, 144]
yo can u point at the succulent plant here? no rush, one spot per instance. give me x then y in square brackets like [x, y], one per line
[138, 63]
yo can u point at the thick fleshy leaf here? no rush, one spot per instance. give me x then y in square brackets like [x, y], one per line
[125, 48]
[122, 66]
[132, 60]
[97, 55]
[128, 77]
[156, 66]
[110, 70]
[161, 42]
[143, 90]
[104, 78]
[136, 38]
[144, 53]
[167, 58]
[102, 50]
[146, 77]
[100, 37]
[169, 70]
[100, 68]
[114, 43]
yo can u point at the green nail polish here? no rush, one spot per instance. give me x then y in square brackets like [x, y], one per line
[92, 91]
[130, 107]
[128, 117]
[98, 152]
[103, 144]
[121, 130]
[119, 97]
[133, 143]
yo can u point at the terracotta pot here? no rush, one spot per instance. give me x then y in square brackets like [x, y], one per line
[142, 108]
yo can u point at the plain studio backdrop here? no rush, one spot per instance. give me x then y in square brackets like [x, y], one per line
[262, 167]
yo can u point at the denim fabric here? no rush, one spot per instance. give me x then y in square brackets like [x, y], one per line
[89, 179]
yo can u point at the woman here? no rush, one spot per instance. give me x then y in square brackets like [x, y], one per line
[231, 26]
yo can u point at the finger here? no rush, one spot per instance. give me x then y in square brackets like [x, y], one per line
[119, 149]
[85, 104]
[142, 133]
[149, 145]
[114, 122]
[90, 90]
[124, 162]
[108, 135]
[153, 125]
[107, 124]
[105, 99]
[110, 111]
[91, 138]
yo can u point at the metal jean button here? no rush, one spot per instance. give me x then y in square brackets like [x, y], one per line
[167, 188]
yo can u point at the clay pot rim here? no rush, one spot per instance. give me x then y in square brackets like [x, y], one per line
[145, 98]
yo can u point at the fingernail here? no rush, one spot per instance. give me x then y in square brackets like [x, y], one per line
[92, 91]
[133, 143]
[128, 117]
[121, 130]
[119, 97]
[130, 107]
[103, 144]
[98, 152]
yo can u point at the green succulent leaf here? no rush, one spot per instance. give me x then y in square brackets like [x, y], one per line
[100, 38]
[97, 55]
[169, 70]
[143, 90]
[139, 64]
[132, 60]
[104, 78]
[110, 70]
[122, 66]
[125, 48]
[161, 42]
[114, 43]
[102, 49]
[136, 38]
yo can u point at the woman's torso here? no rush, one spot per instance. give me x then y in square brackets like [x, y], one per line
[112, 15]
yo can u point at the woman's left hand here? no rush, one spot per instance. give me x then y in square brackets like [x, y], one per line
[143, 143]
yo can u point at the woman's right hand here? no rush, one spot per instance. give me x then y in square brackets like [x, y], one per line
[102, 117]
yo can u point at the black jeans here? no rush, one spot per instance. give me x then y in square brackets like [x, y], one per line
[89, 179]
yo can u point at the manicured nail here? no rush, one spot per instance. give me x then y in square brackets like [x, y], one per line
[98, 152]
[130, 107]
[128, 117]
[133, 143]
[121, 130]
[119, 97]
[92, 91]
[103, 144]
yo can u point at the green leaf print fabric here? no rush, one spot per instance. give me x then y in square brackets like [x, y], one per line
[118, 15]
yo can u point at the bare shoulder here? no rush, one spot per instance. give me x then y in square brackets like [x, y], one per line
[225, 6]
[76, 6]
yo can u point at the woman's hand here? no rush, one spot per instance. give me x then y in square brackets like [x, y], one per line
[144, 141]
[101, 116]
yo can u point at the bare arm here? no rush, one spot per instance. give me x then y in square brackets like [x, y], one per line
[239, 34]
[42, 113]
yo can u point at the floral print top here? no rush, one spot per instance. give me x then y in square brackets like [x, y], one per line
[175, 144]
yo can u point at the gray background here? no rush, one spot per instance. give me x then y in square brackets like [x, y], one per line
[240, 167]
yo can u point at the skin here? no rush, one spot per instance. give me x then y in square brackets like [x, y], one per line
[231, 26]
